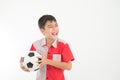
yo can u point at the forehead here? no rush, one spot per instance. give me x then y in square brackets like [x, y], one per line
[50, 22]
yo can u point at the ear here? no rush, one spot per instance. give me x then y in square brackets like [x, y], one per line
[42, 31]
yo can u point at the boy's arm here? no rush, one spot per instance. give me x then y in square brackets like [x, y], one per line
[62, 65]
[21, 66]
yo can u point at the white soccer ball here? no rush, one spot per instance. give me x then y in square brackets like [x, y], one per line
[30, 60]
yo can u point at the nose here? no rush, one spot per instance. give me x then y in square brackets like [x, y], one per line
[54, 28]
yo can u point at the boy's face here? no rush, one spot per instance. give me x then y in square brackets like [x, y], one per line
[50, 30]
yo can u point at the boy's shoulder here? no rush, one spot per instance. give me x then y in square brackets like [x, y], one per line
[39, 41]
[61, 41]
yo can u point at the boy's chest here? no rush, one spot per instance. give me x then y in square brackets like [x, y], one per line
[54, 53]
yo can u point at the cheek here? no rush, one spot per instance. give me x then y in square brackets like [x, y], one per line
[47, 33]
[50, 30]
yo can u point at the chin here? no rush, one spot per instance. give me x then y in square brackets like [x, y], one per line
[54, 38]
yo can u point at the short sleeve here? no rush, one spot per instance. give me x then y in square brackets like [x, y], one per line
[67, 54]
[32, 48]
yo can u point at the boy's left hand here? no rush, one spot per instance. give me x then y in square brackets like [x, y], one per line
[43, 61]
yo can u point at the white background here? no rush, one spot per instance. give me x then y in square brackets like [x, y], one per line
[91, 27]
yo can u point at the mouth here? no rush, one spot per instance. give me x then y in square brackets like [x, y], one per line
[55, 33]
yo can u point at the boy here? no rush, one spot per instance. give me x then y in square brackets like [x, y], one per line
[56, 54]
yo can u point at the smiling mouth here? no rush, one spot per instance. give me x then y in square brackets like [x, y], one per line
[54, 34]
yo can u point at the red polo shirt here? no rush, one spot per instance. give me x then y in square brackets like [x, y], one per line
[59, 51]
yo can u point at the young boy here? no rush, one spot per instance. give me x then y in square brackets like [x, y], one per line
[56, 53]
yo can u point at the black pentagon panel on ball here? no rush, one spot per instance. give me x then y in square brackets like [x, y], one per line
[29, 65]
[31, 54]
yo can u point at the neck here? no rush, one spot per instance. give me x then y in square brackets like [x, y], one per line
[49, 42]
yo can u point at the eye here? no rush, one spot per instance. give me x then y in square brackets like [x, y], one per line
[56, 25]
[50, 26]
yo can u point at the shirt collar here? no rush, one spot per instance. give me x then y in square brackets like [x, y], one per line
[54, 44]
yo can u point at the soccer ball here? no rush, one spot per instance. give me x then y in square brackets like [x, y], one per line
[30, 61]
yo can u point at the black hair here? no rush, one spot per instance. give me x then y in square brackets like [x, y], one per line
[42, 21]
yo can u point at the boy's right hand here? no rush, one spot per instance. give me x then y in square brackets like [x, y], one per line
[21, 65]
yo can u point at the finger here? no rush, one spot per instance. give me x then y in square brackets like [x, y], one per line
[25, 69]
[41, 65]
[21, 59]
[40, 61]
[39, 56]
